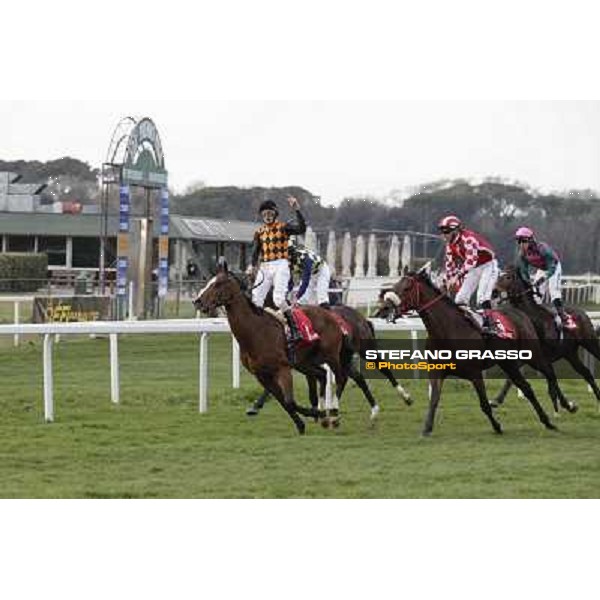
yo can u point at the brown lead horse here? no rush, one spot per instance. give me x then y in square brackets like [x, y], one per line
[263, 344]
[447, 326]
[556, 346]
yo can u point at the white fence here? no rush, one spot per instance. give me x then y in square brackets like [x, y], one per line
[202, 327]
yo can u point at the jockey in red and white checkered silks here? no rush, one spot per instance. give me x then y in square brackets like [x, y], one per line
[470, 264]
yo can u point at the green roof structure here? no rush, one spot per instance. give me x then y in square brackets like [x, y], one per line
[88, 225]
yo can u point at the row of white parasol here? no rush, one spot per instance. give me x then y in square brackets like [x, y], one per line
[396, 259]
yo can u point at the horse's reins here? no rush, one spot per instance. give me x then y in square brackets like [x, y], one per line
[516, 296]
[417, 301]
[257, 284]
[429, 303]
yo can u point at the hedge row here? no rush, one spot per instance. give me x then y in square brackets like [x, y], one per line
[20, 272]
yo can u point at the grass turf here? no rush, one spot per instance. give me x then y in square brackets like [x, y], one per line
[156, 444]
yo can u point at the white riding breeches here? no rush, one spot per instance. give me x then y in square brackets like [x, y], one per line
[483, 279]
[274, 274]
[551, 286]
[317, 291]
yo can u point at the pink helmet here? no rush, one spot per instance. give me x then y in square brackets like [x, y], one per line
[524, 233]
[450, 223]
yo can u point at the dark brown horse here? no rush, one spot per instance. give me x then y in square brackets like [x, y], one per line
[555, 344]
[361, 329]
[263, 344]
[447, 326]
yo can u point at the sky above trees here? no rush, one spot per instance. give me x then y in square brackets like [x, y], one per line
[337, 149]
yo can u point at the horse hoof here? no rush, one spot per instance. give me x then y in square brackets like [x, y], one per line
[572, 408]
[408, 401]
[252, 411]
[551, 427]
[498, 430]
[325, 423]
[335, 422]
[494, 404]
[374, 413]
[425, 435]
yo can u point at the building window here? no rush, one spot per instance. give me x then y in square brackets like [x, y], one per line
[56, 249]
[86, 252]
[20, 243]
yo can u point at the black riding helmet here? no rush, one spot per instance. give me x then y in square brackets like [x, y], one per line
[268, 205]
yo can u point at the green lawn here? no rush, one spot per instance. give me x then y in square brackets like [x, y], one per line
[156, 444]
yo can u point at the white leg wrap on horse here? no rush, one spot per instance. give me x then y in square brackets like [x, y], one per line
[402, 392]
[329, 402]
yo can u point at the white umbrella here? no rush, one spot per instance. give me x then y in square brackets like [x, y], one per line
[406, 253]
[331, 252]
[372, 270]
[310, 239]
[394, 256]
[347, 255]
[359, 259]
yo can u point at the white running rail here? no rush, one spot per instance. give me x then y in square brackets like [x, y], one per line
[203, 327]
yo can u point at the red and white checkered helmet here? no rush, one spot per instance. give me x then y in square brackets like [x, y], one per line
[450, 223]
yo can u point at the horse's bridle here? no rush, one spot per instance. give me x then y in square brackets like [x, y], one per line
[517, 295]
[413, 302]
[259, 283]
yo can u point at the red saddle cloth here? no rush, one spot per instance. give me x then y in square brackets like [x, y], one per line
[305, 327]
[504, 328]
[346, 329]
[569, 322]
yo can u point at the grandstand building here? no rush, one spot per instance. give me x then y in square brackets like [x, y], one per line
[72, 241]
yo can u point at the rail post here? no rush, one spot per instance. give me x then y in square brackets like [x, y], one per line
[203, 374]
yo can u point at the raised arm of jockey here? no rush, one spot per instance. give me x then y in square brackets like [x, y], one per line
[299, 227]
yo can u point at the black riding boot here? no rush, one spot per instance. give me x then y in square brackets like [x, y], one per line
[294, 333]
[488, 326]
[559, 311]
[325, 305]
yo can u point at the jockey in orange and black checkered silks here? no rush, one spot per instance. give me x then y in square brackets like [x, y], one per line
[470, 265]
[271, 249]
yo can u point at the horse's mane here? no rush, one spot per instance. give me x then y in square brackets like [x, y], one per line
[423, 277]
[255, 309]
[516, 273]
[245, 293]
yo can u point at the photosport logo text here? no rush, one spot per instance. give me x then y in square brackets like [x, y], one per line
[435, 360]
[408, 357]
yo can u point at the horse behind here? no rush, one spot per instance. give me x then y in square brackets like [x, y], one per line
[556, 344]
[447, 327]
